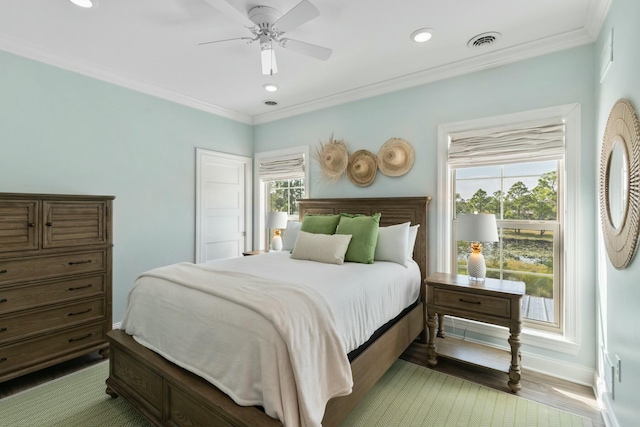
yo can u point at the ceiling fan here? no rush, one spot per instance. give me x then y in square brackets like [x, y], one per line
[268, 25]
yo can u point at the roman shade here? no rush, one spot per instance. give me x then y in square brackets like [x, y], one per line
[289, 166]
[508, 144]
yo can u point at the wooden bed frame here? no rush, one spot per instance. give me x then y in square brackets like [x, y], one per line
[168, 395]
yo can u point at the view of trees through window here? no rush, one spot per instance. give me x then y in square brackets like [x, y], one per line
[283, 196]
[524, 198]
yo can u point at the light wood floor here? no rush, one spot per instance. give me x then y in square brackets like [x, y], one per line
[537, 387]
[544, 389]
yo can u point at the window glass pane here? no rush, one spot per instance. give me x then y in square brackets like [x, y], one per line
[530, 168]
[524, 255]
[478, 172]
[478, 195]
[283, 196]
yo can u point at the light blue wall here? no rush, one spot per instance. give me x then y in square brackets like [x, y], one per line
[414, 114]
[620, 290]
[68, 134]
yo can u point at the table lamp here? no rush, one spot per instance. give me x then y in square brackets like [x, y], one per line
[477, 228]
[277, 221]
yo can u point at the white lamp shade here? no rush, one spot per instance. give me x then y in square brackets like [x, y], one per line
[277, 220]
[477, 228]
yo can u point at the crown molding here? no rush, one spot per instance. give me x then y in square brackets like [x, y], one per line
[104, 74]
[598, 10]
[494, 59]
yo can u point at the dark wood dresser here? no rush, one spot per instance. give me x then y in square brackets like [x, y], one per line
[55, 279]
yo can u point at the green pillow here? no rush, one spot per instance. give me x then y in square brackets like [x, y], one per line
[320, 223]
[364, 229]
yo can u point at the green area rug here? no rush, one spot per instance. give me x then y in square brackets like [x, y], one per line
[407, 395]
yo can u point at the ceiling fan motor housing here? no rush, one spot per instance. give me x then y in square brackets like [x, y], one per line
[264, 16]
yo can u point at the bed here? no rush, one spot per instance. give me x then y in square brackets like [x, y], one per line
[168, 394]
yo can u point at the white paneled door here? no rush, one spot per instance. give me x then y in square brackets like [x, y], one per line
[223, 205]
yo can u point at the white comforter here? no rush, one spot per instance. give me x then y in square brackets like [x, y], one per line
[224, 338]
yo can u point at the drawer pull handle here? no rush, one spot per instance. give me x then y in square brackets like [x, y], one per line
[81, 262]
[4, 271]
[3, 300]
[470, 302]
[80, 339]
[4, 359]
[31, 224]
[81, 287]
[80, 312]
[48, 224]
[3, 329]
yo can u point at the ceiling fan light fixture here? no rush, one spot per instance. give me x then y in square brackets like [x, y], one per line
[268, 58]
[270, 87]
[87, 4]
[422, 35]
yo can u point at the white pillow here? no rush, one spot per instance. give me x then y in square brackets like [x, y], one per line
[393, 244]
[329, 248]
[290, 235]
[413, 233]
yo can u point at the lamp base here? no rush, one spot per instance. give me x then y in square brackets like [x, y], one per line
[476, 267]
[276, 243]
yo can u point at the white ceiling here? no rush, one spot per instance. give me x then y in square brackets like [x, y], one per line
[152, 46]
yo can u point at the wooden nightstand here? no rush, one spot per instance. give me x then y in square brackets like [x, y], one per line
[491, 301]
[257, 252]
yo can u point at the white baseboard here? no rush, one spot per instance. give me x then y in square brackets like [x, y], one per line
[116, 325]
[604, 401]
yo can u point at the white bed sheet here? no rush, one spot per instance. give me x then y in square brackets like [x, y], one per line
[190, 328]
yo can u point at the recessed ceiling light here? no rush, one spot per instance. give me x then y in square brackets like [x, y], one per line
[83, 3]
[270, 87]
[422, 35]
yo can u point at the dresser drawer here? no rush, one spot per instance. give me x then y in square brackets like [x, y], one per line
[493, 306]
[30, 322]
[22, 270]
[32, 352]
[17, 298]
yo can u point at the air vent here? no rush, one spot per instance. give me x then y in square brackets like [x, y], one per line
[484, 40]
[270, 103]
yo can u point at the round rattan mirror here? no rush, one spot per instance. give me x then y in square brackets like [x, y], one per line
[619, 184]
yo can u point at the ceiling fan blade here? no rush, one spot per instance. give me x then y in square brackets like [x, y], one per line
[234, 9]
[249, 40]
[301, 13]
[308, 49]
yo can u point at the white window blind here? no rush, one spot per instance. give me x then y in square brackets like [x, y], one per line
[511, 144]
[282, 167]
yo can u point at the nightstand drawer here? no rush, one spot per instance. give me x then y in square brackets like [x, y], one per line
[493, 306]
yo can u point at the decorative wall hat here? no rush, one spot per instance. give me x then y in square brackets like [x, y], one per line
[362, 168]
[333, 157]
[395, 157]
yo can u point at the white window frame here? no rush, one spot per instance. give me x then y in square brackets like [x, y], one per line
[261, 190]
[568, 340]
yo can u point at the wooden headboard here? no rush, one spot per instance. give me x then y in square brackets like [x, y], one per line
[393, 210]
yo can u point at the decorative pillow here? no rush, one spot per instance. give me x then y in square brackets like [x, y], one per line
[413, 233]
[320, 223]
[364, 230]
[290, 235]
[393, 244]
[329, 248]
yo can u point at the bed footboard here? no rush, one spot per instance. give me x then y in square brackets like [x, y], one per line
[168, 395]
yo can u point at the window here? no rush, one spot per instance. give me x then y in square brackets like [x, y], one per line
[282, 179]
[524, 168]
[524, 198]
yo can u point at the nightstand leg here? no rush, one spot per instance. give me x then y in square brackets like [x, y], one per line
[441, 325]
[514, 369]
[431, 345]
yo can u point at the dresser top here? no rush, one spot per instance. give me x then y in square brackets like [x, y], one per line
[23, 196]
